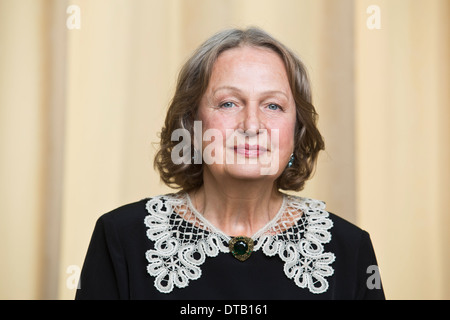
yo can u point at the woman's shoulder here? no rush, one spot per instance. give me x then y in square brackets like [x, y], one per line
[125, 212]
[135, 211]
[126, 218]
[345, 229]
[341, 227]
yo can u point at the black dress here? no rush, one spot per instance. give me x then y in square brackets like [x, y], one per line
[117, 264]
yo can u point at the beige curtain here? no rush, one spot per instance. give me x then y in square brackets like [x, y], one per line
[84, 86]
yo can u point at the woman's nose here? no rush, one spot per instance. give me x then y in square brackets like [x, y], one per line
[252, 120]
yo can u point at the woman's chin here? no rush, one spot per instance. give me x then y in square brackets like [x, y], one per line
[249, 171]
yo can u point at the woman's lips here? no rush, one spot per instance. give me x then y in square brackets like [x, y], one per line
[249, 150]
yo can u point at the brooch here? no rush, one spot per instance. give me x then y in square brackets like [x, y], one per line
[241, 247]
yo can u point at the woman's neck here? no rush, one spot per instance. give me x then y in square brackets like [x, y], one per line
[237, 207]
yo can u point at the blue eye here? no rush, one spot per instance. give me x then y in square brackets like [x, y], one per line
[273, 106]
[227, 105]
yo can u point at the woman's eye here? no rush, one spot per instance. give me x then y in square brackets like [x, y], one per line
[227, 105]
[273, 106]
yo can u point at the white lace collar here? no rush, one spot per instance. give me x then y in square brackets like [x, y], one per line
[183, 239]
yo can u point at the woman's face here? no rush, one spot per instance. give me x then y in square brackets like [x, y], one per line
[247, 115]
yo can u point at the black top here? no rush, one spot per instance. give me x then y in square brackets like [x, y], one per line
[115, 266]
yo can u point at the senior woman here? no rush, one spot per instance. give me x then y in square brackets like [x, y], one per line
[248, 131]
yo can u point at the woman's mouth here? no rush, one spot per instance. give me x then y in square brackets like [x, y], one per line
[249, 151]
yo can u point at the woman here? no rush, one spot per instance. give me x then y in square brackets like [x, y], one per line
[240, 128]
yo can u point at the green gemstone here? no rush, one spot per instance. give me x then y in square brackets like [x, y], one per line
[240, 247]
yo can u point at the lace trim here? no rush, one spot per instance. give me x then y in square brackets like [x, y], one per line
[183, 239]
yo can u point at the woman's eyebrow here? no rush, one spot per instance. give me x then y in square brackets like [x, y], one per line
[267, 92]
[231, 88]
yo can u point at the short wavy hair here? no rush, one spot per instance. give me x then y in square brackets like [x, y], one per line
[192, 83]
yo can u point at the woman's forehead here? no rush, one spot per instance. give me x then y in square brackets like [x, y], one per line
[249, 68]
